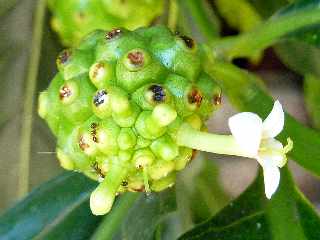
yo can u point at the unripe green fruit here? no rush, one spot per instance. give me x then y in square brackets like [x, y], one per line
[116, 120]
[73, 19]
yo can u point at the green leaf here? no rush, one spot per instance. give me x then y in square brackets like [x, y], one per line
[299, 56]
[137, 216]
[239, 14]
[296, 17]
[15, 39]
[198, 187]
[58, 209]
[251, 216]
[246, 93]
[312, 98]
[205, 19]
[267, 8]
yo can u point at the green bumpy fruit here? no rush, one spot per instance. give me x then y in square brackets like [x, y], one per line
[117, 104]
[73, 19]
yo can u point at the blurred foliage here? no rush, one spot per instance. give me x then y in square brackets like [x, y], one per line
[251, 216]
[312, 98]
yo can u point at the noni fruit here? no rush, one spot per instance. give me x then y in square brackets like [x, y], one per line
[116, 106]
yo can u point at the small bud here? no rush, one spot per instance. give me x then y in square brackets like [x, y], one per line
[126, 139]
[164, 114]
[164, 148]
[43, 104]
[107, 134]
[68, 92]
[185, 155]
[195, 121]
[101, 74]
[143, 158]
[163, 183]
[160, 169]
[65, 161]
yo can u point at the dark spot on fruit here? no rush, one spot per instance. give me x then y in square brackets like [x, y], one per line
[94, 137]
[100, 97]
[142, 189]
[136, 58]
[113, 34]
[188, 41]
[217, 99]
[64, 56]
[159, 94]
[195, 97]
[96, 168]
[94, 132]
[124, 183]
[194, 154]
[96, 69]
[65, 92]
[82, 144]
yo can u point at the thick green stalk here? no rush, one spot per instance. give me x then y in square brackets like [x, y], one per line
[173, 15]
[25, 144]
[264, 35]
[208, 142]
[111, 223]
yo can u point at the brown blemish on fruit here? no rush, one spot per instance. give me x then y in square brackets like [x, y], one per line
[217, 99]
[82, 144]
[94, 132]
[142, 189]
[65, 92]
[64, 56]
[124, 183]
[136, 58]
[96, 69]
[98, 170]
[194, 154]
[113, 33]
[195, 97]
[188, 41]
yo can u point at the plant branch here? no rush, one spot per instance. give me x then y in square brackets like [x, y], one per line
[28, 105]
[208, 142]
[264, 35]
[111, 223]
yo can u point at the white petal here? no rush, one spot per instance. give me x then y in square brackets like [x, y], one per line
[271, 175]
[271, 152]
[274, 123]
[246, 128]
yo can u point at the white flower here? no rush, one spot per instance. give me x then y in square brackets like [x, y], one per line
[256, 139]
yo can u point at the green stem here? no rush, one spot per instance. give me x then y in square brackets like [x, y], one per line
[111, 223]
[206, 25]
[264, 35]
[28, 106]
[208, 142]
[173, 15]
